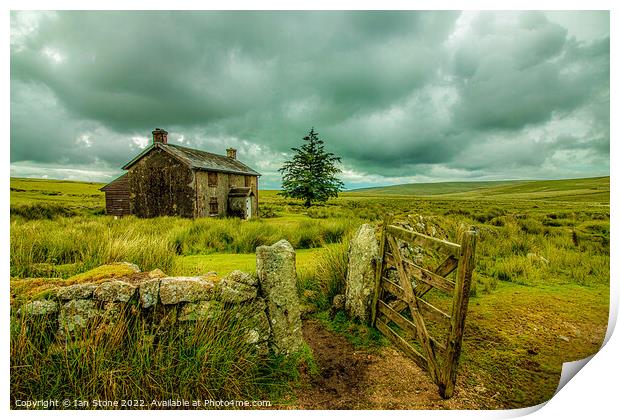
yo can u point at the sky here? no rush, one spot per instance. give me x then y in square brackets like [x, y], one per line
[401, 97]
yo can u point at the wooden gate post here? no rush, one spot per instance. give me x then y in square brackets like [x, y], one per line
[459, 312]
[379, 268]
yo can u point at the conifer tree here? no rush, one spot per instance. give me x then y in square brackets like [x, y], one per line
[311, 174]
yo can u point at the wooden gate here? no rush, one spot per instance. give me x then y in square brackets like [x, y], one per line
[438, 357]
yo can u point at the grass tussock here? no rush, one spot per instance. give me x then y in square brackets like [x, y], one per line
[131, 359]
[359, 334]
[41, 211]
[66, 246]
[86, 242]
[326, 277]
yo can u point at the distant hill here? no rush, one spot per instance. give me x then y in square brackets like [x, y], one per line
[431, 188]
[586, 189]
[86, 195]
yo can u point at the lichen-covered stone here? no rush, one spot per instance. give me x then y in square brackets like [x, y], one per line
[115, 291]
[425, 225]
[237, 287]
[39, 308]
[149, 292]
[337, 305]
[208, 309]
[132, 266]
[338, 302]
[156, 274]
[75, 315]
[173, 290]
[275, 266]
[112, 311]
[257, 337]
[244, 278]
[76, 291]
[210, 276]
[255, 324]
[105, 272]
[392, 275]
[360, 281]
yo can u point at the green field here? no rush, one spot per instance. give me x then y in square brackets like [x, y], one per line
[28, 191]
[542, 274]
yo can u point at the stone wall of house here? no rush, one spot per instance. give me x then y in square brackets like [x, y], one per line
[267, 303]
[219, 192]
[161, 185]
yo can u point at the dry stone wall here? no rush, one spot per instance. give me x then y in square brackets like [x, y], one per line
[267, 304]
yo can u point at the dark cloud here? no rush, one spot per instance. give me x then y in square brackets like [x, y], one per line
[401, 96]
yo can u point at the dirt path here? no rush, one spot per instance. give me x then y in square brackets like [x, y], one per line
[353, 379]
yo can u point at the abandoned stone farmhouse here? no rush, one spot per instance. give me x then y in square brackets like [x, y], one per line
[171, 180]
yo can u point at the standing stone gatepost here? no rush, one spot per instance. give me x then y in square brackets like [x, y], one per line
[275, 266]
[360, 281]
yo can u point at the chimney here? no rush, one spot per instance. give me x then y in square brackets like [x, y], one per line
[231, 153]
[160, 136]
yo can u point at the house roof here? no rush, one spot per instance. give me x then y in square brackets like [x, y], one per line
[114, 181]
[199, 160]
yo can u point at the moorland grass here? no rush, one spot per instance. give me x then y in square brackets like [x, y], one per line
[524, 242]
[43, 198]
[138, 361]
[84, 242]
[542, 271]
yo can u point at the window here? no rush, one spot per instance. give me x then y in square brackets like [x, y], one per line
[213, 210]
[212, 179]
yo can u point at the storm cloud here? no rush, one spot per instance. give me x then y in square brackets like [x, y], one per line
[400, 96]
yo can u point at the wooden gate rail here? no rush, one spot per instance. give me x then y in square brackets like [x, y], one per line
[438, 357]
